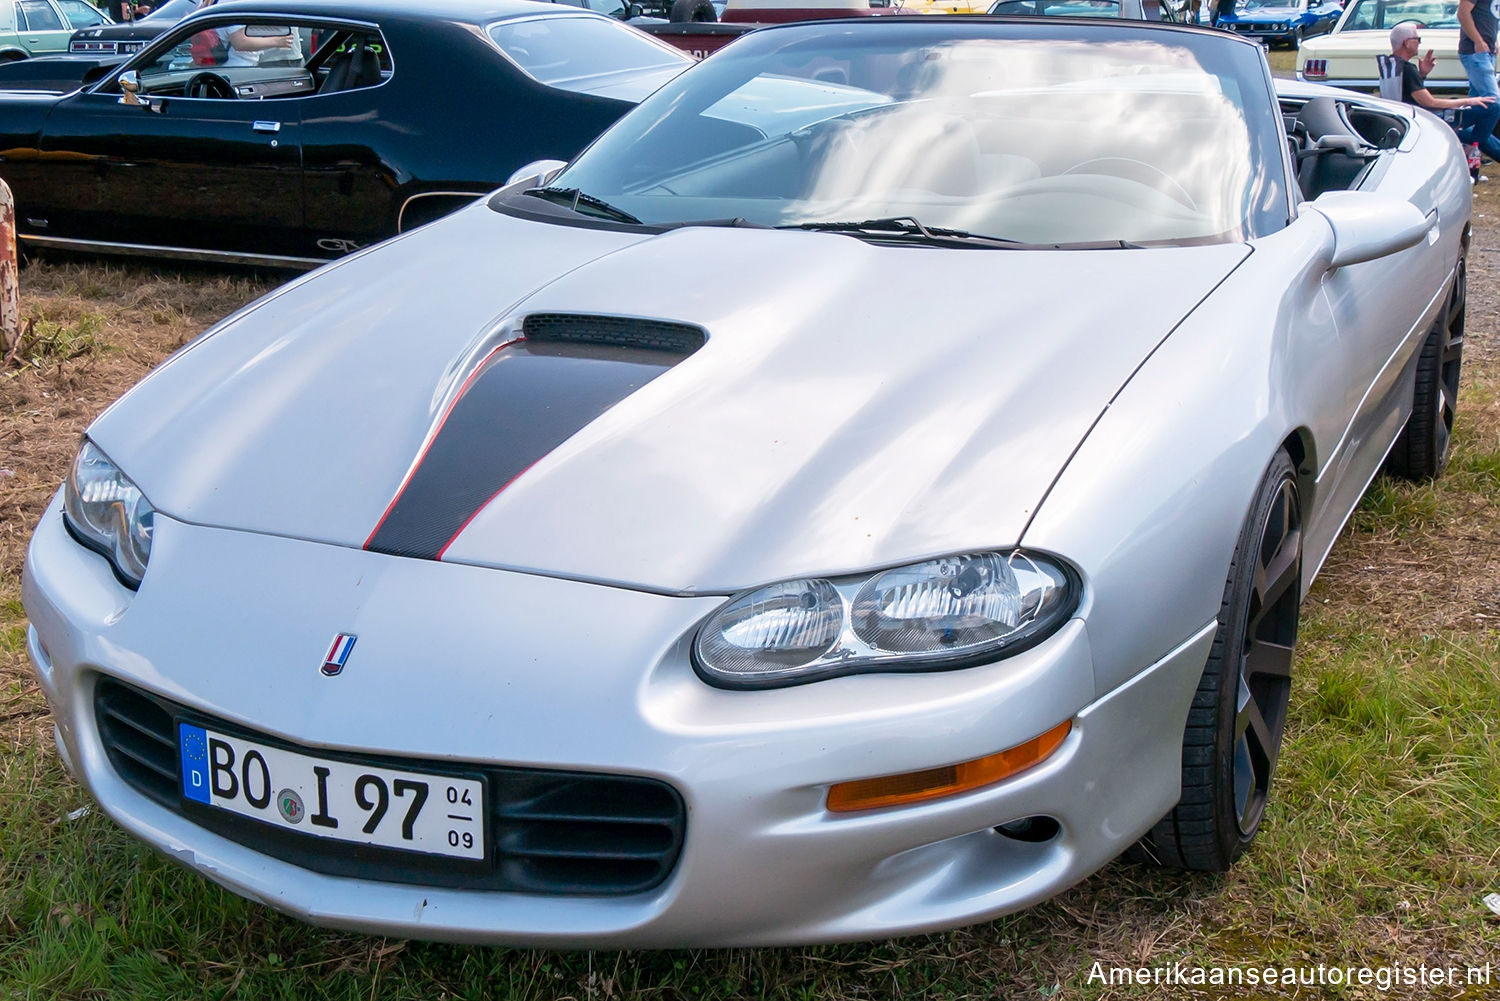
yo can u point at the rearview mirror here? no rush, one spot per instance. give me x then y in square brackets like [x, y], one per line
[538, 172]
[1368, 226]
[267, 31]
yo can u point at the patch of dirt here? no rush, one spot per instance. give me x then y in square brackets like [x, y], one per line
[1449, 568]
[1483, 318]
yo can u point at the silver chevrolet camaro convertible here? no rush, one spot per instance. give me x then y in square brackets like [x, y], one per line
[867, 491]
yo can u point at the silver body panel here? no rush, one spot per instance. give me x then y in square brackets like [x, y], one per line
[854, 407]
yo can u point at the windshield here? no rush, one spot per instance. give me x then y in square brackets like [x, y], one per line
[1040, 133]
[1273, 5]
[1382, 15]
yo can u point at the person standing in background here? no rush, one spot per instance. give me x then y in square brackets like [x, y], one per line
[1476, 51]
[123, 10]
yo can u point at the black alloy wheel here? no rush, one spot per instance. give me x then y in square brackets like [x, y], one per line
[1238, 715]
[1421, 452]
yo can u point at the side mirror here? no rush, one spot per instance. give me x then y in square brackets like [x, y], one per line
[1368, 226]
[538, 172]
[634, 10]
[130, 88]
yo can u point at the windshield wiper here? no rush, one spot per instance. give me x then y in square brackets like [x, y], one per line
[573, 198]
[738, 222]
[906, 226]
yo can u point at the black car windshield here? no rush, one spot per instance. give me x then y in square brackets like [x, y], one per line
[1042, 133]
[576, 52]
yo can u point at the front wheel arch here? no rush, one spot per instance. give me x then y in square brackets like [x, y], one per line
[1238, 715]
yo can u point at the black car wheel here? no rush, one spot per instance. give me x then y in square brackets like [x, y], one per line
[1421, 452]
[1238, 714]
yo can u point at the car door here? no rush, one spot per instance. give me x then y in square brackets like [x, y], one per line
[207, 172]
[349, 129]
[42, 27]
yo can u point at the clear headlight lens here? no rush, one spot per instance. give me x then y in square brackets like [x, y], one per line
[108, 513]
[939, 614]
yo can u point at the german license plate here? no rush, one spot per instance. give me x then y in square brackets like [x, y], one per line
[409, 811]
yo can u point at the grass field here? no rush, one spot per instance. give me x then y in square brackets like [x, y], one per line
[1382, 837]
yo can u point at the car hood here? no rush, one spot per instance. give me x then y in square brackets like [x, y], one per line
[853, 405]
[1259, 14]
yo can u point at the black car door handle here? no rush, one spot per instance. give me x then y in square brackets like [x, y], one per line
[267, 126]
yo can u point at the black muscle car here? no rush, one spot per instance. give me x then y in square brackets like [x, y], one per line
[288, 133]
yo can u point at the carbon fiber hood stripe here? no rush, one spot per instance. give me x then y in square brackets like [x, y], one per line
[524, 399]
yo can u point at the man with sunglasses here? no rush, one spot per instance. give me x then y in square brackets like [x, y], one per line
[1406, 42]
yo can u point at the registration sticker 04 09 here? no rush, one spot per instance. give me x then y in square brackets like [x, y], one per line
[339, 800]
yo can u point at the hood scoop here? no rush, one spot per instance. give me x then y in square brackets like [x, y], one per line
[614, 331]
[523, 399]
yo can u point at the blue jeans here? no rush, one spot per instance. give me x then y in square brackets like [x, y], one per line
[1479, 123]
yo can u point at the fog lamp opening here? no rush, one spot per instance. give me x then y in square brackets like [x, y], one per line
[949, 780]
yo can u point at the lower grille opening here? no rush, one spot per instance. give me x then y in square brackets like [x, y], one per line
[551, 832]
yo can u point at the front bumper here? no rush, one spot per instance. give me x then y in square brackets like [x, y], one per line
[475, 665]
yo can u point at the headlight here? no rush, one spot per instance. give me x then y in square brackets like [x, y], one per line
[108, 513]
[946, 613]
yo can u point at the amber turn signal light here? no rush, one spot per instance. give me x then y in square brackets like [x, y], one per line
[949, 780]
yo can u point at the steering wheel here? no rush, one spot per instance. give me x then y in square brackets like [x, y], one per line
[208, 85]
[1133, 170]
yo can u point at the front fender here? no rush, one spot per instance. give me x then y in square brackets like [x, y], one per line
[1151, 504]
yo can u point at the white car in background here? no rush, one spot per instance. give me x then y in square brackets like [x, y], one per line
[1346, 56]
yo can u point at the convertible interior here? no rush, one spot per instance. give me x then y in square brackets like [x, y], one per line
[1334, 143]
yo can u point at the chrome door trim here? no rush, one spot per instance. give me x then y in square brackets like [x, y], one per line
[173, 253]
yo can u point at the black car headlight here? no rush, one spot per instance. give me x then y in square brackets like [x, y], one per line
[108, 513]
[951, 612]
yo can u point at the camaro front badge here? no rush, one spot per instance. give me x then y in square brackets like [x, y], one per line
[338, 654]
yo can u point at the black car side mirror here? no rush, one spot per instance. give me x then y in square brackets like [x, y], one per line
[633, 10]
[130, 92]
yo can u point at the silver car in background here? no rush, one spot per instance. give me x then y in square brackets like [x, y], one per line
[868, 490]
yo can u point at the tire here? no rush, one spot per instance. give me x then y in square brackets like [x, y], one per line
[1229, 753]
[11, 57]
[1421, 451]
[692, 10]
